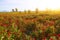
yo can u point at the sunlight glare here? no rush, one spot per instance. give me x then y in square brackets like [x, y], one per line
[51, 4]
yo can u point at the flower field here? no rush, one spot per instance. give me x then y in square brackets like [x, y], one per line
[29, 27]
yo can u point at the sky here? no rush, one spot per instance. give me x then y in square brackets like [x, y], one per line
[7, 5]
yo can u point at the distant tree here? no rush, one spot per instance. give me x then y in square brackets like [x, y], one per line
[37, 10]
[12, 10]
[29, 11]
[16, 9]
[19, 11]
[24, 11]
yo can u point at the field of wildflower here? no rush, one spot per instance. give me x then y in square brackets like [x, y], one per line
[29, 27]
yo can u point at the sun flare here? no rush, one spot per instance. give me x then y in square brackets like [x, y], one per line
[51, 4]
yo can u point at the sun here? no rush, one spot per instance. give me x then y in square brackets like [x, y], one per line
[51, 4]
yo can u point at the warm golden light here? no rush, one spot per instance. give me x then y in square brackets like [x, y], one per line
[51, 4]
[29, 4]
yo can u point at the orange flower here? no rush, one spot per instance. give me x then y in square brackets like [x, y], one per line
[44, 38]
[51, 38]
[34, 38]
[8, 33]
[58, 35]
[51, 23]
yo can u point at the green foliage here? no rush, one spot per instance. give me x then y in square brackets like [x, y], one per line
[30, 27]
[18, 29]
[2, 28]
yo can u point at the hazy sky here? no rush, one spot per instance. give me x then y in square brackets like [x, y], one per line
[28, 4]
